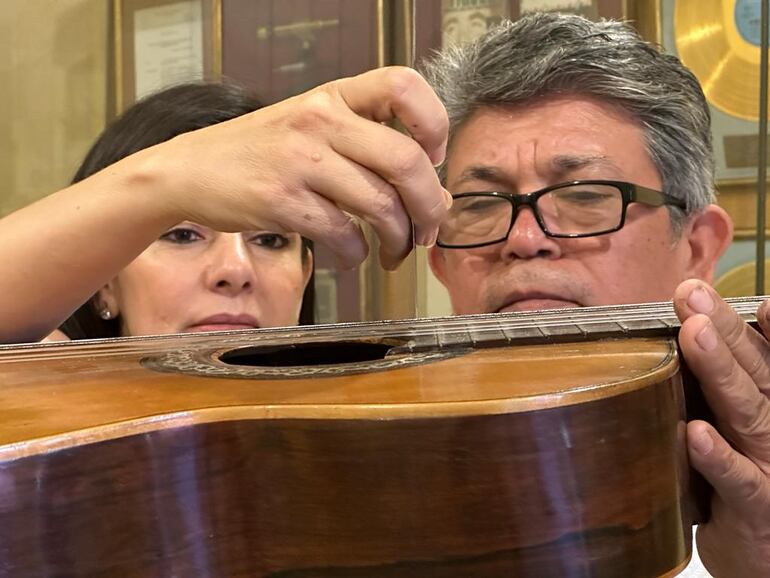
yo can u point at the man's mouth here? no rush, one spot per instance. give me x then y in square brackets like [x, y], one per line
[534, 301]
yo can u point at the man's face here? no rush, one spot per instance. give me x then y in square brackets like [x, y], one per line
[523, 149]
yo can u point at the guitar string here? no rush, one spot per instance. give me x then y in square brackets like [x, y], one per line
[569, 322]
[659, 313]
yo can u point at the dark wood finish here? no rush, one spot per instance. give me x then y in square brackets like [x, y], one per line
[528, 461]
[281, 48]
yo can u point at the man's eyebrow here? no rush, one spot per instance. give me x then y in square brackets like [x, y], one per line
[560, 165]
[567, 163]
[481, 173]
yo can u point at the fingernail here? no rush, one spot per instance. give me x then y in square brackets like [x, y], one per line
[439, 157]
[427, 239]
[700, 301]
[702, 443]
[448, 198]
[707, 338]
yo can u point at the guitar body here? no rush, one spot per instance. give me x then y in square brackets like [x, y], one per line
[155, 458]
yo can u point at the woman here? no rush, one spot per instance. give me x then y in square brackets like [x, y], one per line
[305, 164]
[193, 278]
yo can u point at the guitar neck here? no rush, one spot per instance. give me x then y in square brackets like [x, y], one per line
[656, 319]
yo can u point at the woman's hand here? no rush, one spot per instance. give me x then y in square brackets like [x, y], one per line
[310, 163]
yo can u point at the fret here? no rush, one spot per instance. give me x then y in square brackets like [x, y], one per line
[566, 329]
[456, 337]
[661, 325]
[528, 334]
[418, 343]
[601, 328]
[492, 336]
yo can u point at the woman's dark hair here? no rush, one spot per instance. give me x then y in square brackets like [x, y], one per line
[153, 120]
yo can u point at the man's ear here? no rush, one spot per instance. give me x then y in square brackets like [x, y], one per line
[437, 263]
[708, 233]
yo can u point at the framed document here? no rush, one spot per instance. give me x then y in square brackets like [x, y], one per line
[163, 42]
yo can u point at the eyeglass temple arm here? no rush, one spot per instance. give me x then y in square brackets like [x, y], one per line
[656, 198]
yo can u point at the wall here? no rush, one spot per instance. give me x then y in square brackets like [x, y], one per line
[53, 62]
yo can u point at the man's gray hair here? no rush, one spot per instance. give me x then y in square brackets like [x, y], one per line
[546, 55]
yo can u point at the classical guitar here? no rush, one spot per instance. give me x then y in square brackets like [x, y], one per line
[524, 444]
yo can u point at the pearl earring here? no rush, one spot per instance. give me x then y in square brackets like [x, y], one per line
[105, 314]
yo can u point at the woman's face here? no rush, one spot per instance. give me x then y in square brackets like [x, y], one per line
[196, 279]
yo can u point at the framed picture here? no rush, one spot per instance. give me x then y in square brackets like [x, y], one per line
[727, 62]
[439, 22]
[280, 48]
[163, 42]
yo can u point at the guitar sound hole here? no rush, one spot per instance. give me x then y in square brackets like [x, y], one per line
[307, 354]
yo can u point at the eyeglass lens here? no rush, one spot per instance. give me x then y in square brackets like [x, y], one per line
[573, 209]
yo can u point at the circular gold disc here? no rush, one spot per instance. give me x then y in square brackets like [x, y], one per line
[719, 41]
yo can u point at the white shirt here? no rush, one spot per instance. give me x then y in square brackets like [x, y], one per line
[695, 568]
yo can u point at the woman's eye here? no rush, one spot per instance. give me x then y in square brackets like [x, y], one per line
[181, 236]
[270, 240]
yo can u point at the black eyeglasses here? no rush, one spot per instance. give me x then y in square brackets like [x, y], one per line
[567, 210]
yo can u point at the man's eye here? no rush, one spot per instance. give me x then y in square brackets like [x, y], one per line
[181, 236]
[585, 197]
[478, 205]
[270, 240]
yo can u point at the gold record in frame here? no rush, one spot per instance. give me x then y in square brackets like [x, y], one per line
[719, 40]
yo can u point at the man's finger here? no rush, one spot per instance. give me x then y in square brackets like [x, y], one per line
[741, 410]
[738, 481]
[749, 347]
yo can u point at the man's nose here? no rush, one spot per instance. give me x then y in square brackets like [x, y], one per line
[231, 268]
[526, 239]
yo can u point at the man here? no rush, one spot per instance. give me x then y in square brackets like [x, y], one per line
[551, 99]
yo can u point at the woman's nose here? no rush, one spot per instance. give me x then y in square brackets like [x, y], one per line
[231, 268]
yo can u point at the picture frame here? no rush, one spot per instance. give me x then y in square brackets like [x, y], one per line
[734, 136]
[433, 16]
[158, 43]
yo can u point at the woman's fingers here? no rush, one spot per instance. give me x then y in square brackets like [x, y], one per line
[327, 142]
[399, 93]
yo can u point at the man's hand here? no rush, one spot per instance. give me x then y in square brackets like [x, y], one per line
[732, 363]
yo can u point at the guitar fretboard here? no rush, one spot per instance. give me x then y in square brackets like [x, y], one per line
[558, 325]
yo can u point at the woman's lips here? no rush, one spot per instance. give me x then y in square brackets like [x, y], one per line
[224, 322]
[220, 327]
